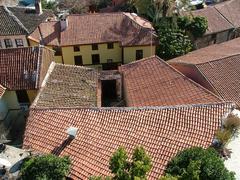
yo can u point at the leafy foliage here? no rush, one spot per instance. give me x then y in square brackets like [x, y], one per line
[124, 169]
[49, 5]
[49, 167]
[198, 164]
[197, 26]
[172, 43]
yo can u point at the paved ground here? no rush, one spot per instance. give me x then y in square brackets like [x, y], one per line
[233, 163]
[15, 130]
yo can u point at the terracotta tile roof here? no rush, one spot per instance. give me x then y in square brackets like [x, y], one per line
[9, 24]
[97, 28]
[216, 22]
[210, 53]
[24, 68]
[230, 10]
[19, 20]
[152, 82]
[29, 18]
[2, 90]
[224, 74]
[49, 32]
[68, 86]
[163, 131]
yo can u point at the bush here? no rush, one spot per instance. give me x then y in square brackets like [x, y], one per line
[49, 167]
[200, 164]
[172, 43]
[124, 169]
[197, 26]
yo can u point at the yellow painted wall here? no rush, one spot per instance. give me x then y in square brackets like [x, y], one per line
[57, 59]
[115, 54]
[130, 52]
[13, 38]
[31, 95]
[86, 52]
[11, 100]
[33, 43]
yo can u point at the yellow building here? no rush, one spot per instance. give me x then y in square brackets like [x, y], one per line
[22, 71]
[104, 40]
[17, 23]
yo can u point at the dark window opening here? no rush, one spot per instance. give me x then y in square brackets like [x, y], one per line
[94, 46]
[19, 42]
[22, 96]
[58, 51]
[8, 43]
[78, 60]
[139, 54]
[109, 92]
[110, 66]
[214, 38]
[76, 48]
[95, 59]
[110, 46]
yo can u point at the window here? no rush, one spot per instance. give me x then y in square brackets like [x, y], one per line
[0, 45]
[94, 47]
[19, 42]
[139, 54]
[110, 46]
[76, 48]
[8, 43]
[58, 50]
[78, 60]
[95, 59]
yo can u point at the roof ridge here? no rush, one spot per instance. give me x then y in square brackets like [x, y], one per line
[137, 108]
[75, 66]
[219, 59]
[15, 19]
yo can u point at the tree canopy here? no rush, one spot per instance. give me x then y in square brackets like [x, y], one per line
[197, 164]
[49, 167]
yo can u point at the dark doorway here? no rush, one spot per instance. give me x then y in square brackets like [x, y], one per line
[22, 96]
[109, 92]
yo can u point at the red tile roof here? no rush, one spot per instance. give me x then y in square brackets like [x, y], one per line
[152, 82]
[2, 90]
[97, 28]
[68, 86]
[49, 31]
[210, 53]
[162, 131]
[216, 22]
[24, 68]
[224, 74]
[230, 10]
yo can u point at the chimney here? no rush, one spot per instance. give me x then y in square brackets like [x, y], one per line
[38, 7]
[63, 22]
[72, 132]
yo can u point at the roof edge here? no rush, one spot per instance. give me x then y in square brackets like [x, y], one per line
[231, 105]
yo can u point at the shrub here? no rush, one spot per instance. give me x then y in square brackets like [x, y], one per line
[197, 26]
[200, 164]
[173, 43]
[49, 167]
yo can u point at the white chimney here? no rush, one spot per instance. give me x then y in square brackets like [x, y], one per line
[63, 22]
[38, 7]
[72, 132]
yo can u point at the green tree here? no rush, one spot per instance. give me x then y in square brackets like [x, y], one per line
[173, 42]
[198, 164]
[49, 167]
[125, 169]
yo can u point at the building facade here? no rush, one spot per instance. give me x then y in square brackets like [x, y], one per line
[100, 40]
